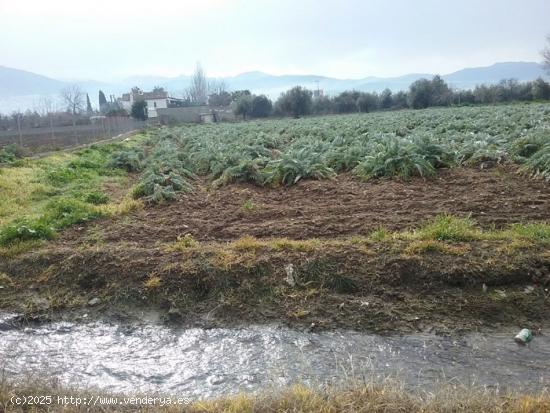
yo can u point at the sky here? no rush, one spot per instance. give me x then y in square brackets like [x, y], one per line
[112, 39]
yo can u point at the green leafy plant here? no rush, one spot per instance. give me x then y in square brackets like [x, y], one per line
[396, 157]
[538, 165]
[129, 160]
[24, 230]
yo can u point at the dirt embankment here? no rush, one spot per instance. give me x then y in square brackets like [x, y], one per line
[378, 286]
[127, 266]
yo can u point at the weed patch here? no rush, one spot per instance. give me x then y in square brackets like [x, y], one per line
[449, 228]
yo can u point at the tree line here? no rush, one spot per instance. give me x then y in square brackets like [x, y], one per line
[423, 93]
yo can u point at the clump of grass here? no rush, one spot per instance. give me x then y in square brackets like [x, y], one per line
[379, 235]
[96, 198]
[152, 282]
[227, 258]
[183, 243]
[126, 205]
[24, 230]
[10, 153]
[64, 212]
[5, 279]
[248, 206]
[247, 243]
[534, 231]
[449, 228]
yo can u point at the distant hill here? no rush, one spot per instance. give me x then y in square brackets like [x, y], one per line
[15, 82]
[522, 71]
[20, 89]
[463, 79]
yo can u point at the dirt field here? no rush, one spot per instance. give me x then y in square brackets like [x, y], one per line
[344, 206]
[133, 265]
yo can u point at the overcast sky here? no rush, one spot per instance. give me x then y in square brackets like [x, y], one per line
[106, 39]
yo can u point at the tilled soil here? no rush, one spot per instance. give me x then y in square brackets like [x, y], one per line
[343, 206]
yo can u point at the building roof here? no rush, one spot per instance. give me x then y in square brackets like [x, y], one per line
[161, 94]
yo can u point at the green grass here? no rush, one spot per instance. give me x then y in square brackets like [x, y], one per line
[40, 197]
[449, 228]
[535, 232]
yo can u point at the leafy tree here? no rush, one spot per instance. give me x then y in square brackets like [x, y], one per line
[139, 110]
[485, 94]
[540, 89]
[261, 107]
[441, 94]
[102, 102]
[367, 102]
[346, 102]
[222, 98]
[88, 105]
[102, 98]
[546, 55]
[235, 95]
[400, 100]
[424, 93]
[243, 106]
[296, 102]
[420, 94]
[323, 105]
[386, 100]
[507, 90]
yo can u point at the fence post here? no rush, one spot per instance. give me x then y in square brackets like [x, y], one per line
[19, 130]
[51, 128]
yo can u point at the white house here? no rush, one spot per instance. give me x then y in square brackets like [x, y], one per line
[157, 99]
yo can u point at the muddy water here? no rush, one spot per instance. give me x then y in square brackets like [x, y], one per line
[203, 363]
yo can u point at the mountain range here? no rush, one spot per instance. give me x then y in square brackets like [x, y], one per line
[20, 89]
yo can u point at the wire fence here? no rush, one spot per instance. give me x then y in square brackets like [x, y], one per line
[58, 137]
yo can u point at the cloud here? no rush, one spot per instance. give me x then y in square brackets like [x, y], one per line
[344, 38]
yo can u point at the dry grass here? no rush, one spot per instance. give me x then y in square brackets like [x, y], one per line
[183, 243]
[445, 236]
[5, 279]
[247, 243]
[387, 397]
[152, 282]
[286, 244]
[13, 250]
[125, 206]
